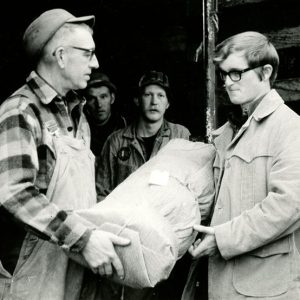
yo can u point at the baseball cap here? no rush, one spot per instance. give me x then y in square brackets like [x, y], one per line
[100, 79]
[154, 77]
[42, 29]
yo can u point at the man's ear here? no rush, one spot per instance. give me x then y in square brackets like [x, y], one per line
[113, 97]
[267, 71]
[59, 54]
[136, 101]
[168, 105]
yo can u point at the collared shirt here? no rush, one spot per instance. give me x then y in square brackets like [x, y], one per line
[124, 152]
[27, 160]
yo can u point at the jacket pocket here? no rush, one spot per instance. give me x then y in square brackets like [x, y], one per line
[250, 172]
[264, 272]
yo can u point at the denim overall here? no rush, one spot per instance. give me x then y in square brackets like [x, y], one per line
[43, 270]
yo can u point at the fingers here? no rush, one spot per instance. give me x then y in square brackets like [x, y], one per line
[101, 255]
[120, 241]
[118, 267]
[197, 251]
[204, 229]
[105, 270]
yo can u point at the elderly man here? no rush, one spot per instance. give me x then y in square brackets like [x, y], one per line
[46, 168]
[251, 241]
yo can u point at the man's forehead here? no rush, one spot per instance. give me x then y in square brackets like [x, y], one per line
[95, 90]
[235, 60]
[82, 36]
[153, 87]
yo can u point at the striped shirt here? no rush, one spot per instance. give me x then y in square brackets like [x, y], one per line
[27, 160]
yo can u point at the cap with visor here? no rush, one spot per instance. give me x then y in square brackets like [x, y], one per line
[43, 28]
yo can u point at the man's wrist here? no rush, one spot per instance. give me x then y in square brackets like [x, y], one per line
[81, 243]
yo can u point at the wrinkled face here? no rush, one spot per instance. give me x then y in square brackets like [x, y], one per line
[153, 103]
[79, 58]
[99, 101]
[246, 90]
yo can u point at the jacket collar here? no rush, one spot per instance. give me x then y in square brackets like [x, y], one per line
[270, 102]
[268, 105]
[227, 134]
[130, 131]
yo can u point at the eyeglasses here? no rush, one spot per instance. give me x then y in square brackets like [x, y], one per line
[89, 53]
[235, 75]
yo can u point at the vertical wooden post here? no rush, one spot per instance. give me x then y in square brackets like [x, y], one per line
[209, 36]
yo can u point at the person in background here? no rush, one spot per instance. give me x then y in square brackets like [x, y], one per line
[103, 120]
[251, 239]
[127, 149]
[44, 144]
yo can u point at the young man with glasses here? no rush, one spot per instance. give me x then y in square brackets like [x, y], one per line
[47, 170]
[251, 241]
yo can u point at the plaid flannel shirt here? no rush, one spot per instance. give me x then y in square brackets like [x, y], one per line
[27, 162]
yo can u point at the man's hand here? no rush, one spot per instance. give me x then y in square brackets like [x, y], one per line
[100, 253]
[207, 246]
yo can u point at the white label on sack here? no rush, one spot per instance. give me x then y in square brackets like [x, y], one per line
[158, 177]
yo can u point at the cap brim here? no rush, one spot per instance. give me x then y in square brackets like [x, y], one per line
[90, 20]
[95, 83]
[154, 82]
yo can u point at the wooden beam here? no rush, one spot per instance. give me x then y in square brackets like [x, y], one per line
[289, 89]
[210, 25]
[285, 38]
[230, 3]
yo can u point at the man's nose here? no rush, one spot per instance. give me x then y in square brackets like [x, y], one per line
[99, 102]
[154, 99]
[94, 62]
[228, 81]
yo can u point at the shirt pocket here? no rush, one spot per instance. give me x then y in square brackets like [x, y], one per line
[264, 272]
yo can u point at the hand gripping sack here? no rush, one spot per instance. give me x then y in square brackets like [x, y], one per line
[156, 208]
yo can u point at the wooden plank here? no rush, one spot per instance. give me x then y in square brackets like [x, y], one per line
[289, 89]
[230, 3]
[285, 38]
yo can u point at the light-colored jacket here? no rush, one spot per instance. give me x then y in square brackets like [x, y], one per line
[258, 206]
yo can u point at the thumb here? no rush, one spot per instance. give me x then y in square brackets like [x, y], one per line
[120, 241]
[204, 229]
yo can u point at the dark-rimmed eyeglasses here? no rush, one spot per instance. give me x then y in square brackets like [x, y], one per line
[89, 53]
[235, 75]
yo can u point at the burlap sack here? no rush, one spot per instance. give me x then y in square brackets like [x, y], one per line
[156, 208]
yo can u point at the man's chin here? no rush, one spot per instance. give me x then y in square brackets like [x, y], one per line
[153, 119]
